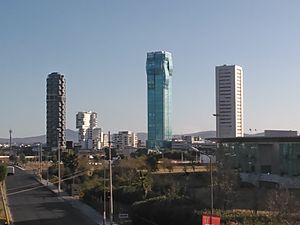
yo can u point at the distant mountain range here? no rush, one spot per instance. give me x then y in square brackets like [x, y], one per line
[72, 135]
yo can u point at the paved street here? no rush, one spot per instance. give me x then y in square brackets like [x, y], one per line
[38, 205]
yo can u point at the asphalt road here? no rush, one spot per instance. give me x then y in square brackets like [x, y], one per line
[33, 204]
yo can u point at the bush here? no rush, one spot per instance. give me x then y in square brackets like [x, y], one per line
[165, 211]
[245, 217]
[3, 172]
[128, 195]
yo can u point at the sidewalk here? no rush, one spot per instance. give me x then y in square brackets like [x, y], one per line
[75, 202]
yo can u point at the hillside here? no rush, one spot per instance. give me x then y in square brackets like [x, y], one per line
[70, 136]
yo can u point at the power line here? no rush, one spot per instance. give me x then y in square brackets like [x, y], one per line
[40, 186]
[28, 185]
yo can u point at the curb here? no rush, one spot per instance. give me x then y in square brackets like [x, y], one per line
[6, 209]
[19, 167]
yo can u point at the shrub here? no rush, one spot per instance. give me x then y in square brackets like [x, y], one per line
[3, 172]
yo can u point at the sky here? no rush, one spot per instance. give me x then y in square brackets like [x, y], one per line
[100, 46]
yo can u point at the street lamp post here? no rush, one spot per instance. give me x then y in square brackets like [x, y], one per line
[47, 168]
[211, 191]
[104, 196]
[211, 187]
[40, 160]
[217, 115]
[58, 153]
[110, 183]
[59, 175]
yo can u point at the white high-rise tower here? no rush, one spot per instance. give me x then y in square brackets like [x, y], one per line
[229, 101]
[86, 122]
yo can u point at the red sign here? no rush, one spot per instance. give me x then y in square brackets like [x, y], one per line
[210, 220]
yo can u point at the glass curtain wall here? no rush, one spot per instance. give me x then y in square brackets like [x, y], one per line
[159, 70]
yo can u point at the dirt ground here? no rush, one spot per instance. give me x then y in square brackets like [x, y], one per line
[34, 166]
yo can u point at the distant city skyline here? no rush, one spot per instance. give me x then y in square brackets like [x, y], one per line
[100, 47]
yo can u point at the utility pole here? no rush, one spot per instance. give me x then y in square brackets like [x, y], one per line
[110, 182]
[104, 196]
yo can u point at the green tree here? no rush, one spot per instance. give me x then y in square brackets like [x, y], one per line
[22, 158]
[282, 203]
[70, 161]
[144, 182]
[152, 163]
[13, 158]
[90, 182]
[226, 180]
[126, 170]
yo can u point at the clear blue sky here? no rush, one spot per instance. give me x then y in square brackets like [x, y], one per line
[101, 48]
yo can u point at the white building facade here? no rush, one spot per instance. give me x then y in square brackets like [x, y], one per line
[86, 122]
[229, 101]
[185, 142]
[124, 139]
[100, 140]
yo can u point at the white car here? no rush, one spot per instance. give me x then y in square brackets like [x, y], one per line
[10, 170]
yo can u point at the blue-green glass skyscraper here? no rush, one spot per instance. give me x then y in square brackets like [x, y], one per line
[159, 68]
